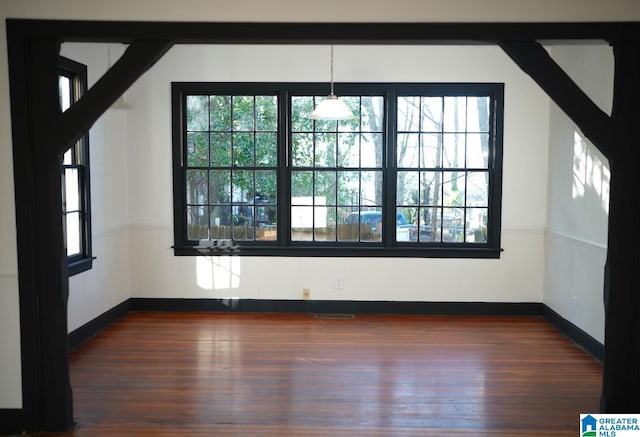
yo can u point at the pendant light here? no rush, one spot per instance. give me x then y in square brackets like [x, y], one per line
[331, 108]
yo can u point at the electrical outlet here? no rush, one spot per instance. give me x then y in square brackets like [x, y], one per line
[339, 282]
[306, 293]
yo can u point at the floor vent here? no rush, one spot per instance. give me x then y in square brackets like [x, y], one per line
[334, 316]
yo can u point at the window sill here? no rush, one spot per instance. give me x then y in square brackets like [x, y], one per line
[346, 252]
[80, 265]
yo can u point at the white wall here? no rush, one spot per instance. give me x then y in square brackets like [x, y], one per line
[258, 10]
[576, 236]
[516, 277]
[107, 284]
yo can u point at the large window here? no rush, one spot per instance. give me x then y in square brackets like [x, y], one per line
[416, 172]
[72, 82]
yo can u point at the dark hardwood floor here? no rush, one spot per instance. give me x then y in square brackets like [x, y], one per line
[204, 374]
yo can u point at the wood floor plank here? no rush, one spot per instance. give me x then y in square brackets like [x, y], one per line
[156, 374]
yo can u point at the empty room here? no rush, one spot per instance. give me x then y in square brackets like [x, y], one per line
[356, 218]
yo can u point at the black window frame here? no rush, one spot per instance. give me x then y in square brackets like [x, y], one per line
[388, 247]
[82, 261]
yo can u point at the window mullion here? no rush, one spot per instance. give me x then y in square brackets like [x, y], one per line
[389, 166]
[283, 191]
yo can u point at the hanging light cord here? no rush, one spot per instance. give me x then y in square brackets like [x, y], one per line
[332, 93]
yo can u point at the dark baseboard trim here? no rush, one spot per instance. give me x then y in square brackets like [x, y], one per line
[574, 333]
[12, 420]
[337, 306]
[91, 328]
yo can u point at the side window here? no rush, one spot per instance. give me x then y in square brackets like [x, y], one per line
[72, 83]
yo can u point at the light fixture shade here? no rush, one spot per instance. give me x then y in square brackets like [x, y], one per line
[331, 108]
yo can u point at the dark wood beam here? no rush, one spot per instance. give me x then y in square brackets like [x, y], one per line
[621, 380]
[42, 262]
[323, 33]
[534, 60]
[136, 60]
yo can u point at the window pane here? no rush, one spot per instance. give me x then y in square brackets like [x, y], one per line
[452, 225]
[267, 222]
[476, 225]
[243, 113]
[353, 103]
[408, 150]
[197, 222]
[197, 113]
[266, 186]
[266, 149]
[325, 186]
[431, 151]
[455, 114]
[266, 113]
[407, 229]
[73, 221]
[478, 114]
[371, 225]
[478, 150]
[243, 149]
[301, 185]
[348, 224]
[408, 114]
[324, 223]
[407, 188]
[243, 223]
[220, 113]
[348, 150]
[348, 188]
[301, 107]
[197, 149]
[65, 92]
[478, 188]
[302, 223]
[371, 150]
[219, 186]
[242, 188]
[325, 150]
[302, 153]
[372, 113]
[432, 114]
[371, 188]
[220, 149]
[453, 188]
[220, 222]
[429, 225]
[430, 188]
[72, 189]
[67, 158]
[453, 151]
[197, 192]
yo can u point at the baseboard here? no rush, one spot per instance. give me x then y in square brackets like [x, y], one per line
[91, 328]
[337, 306]
[575, 334]
[11, 420]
